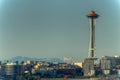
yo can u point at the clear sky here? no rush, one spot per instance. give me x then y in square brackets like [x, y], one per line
[57, 28]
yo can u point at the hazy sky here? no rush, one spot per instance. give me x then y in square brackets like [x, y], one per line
[57, 28]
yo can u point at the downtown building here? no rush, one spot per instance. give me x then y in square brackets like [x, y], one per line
[110, 64]
[11, 70]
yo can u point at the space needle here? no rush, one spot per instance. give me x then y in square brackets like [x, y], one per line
[89, 62]
[92, 16]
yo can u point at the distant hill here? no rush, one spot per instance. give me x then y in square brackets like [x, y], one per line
[20, 58]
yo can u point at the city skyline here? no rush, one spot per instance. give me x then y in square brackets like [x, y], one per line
[57, 28]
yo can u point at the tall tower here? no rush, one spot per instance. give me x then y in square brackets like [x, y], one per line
[92, 16]
[89, 69]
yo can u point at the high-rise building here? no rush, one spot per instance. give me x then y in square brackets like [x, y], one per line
[88, 67]
[108, 63]
[11, 70]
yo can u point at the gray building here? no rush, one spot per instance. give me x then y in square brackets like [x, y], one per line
[88, 66]
[107, 63]
[11, 70]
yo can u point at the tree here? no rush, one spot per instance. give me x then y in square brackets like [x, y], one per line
[22, 62]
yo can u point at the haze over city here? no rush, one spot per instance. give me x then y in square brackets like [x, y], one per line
[57, 28]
